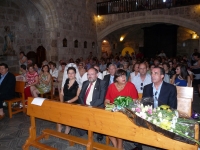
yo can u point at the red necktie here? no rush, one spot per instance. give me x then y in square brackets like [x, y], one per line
[87, 92]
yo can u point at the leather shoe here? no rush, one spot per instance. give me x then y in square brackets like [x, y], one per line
[2, 116]
[99, 137]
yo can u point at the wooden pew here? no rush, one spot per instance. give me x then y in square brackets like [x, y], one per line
[19, 88]
[94, 120]
[184, 98]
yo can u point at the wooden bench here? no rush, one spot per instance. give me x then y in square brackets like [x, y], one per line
[94, 120]
[184, 98]
[19, 88]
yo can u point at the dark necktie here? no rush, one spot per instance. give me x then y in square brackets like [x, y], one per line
[86, 93]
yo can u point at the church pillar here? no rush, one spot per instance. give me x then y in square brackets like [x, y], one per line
[99, 50]
[52, 48]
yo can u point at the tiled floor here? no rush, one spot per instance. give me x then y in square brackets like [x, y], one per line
[14, 132]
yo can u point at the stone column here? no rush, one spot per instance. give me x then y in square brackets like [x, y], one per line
[51, 45]
[99, 51]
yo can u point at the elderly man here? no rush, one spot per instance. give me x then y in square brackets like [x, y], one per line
[109, 78]
[93, 93]
[7, 86]
[142, 79]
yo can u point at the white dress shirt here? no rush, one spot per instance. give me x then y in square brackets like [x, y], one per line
[54, 73]
[89, 97]
[132, 75]
[137, 82]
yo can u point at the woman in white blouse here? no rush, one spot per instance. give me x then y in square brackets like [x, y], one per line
[135, 73]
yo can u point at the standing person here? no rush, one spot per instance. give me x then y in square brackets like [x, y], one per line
[142, 79]
[7, 86]
[69, 93]
[162, 92]
[31, 80]
[44, 84]
[135, 73]
[22, 59]
[109, 78]
[120, 87]
[196, 70]
[181, 78]
[93, 93]
[60, 76]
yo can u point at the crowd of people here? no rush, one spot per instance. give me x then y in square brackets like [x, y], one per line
[96, 82]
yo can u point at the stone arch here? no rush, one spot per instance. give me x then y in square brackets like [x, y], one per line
[48, 11]
[149, 19]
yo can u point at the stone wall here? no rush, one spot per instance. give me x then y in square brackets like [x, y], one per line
[14, 14]
[76, 22]
[187, 16]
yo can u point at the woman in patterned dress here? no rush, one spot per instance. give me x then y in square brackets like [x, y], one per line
[44, 85]
[31, 80]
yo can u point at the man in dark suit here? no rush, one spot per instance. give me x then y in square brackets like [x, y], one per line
[109, 78]
[93, 93]
[7, 86]
[162, 92]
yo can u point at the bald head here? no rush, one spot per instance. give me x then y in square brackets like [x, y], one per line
[143, 69]
[92, 74]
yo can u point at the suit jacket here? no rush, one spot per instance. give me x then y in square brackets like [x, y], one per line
[7, 87]
[168, 94]
[107, 80]
[98, 93]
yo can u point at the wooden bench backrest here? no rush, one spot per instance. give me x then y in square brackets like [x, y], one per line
[98, 120]
[184, 92]
[19, 87]
[184, 98]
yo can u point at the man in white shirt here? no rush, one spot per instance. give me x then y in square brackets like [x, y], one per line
[142, 79]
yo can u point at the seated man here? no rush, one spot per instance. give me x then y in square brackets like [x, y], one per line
[163, 93]
[7, 86]
[93, 93]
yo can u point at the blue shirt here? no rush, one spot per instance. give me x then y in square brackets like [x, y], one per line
[2, 77]
[156, 94]
[111, 79]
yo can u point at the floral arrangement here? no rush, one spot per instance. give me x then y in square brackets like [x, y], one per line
[162, 118]
[167, 119]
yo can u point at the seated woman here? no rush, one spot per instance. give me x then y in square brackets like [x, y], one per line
[181, 78]
[44, 85]
[70, 92]
[31, 80]
[120, 87]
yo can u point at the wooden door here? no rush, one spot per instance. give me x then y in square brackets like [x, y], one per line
[41, 55]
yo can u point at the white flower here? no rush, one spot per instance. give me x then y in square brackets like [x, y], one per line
[149, 119]
[133, 109]
[143, 115]
[146, 108]
[158, 108]
[154, 121]
[160, 114]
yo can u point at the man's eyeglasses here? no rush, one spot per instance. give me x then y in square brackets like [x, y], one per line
[141, 88]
